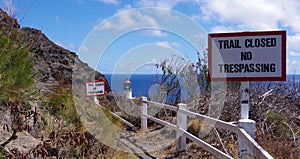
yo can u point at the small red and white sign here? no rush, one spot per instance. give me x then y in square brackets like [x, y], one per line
[247, 56]
[96, 88]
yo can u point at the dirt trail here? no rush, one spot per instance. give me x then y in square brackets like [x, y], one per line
[144, 145]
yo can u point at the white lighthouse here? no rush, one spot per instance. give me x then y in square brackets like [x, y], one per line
[127, 89]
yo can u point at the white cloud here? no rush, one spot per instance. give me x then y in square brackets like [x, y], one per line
[155, 33]
[154, 61]
[294, 47]
[164, 3]
[88, 49]
[293, 66]
[167, 44]
[293, 42]
[128, 20]
[70, 47]
[254, 14]
[159, 3]
[125, 8]
[84, 49]
[114, 2]
[292, 53]
[153, 22]
[291, 14]
[294, 62]
[221, 29]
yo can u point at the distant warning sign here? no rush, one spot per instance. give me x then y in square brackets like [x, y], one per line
[96, 88]
[247, 56]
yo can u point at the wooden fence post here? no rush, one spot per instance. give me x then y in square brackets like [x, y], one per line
[144, 112]
[182, 124]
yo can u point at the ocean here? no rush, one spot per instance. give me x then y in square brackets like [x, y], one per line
[141, 84]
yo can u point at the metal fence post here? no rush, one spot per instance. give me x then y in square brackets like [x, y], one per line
[182, 124]
[144, 112]
[245, 123]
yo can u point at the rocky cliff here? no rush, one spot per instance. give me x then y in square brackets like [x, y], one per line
[53, 64]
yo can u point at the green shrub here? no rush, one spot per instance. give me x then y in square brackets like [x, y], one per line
[278, 123]
[16, 69]
[16, 77]
[61, 104]
[1, 153]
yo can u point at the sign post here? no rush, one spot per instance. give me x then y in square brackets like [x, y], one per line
[247, 56]
[247, 124]
[244, 89]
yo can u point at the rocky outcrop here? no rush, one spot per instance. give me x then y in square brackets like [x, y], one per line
[7, 22]
[53, 64]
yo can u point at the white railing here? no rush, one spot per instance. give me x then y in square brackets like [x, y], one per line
[182, 134]
[242, 130]
[114, 114]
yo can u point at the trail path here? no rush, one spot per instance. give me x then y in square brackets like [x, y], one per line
[144, 145]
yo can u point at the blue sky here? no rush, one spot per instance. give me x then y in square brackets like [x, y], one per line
[71, 23]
